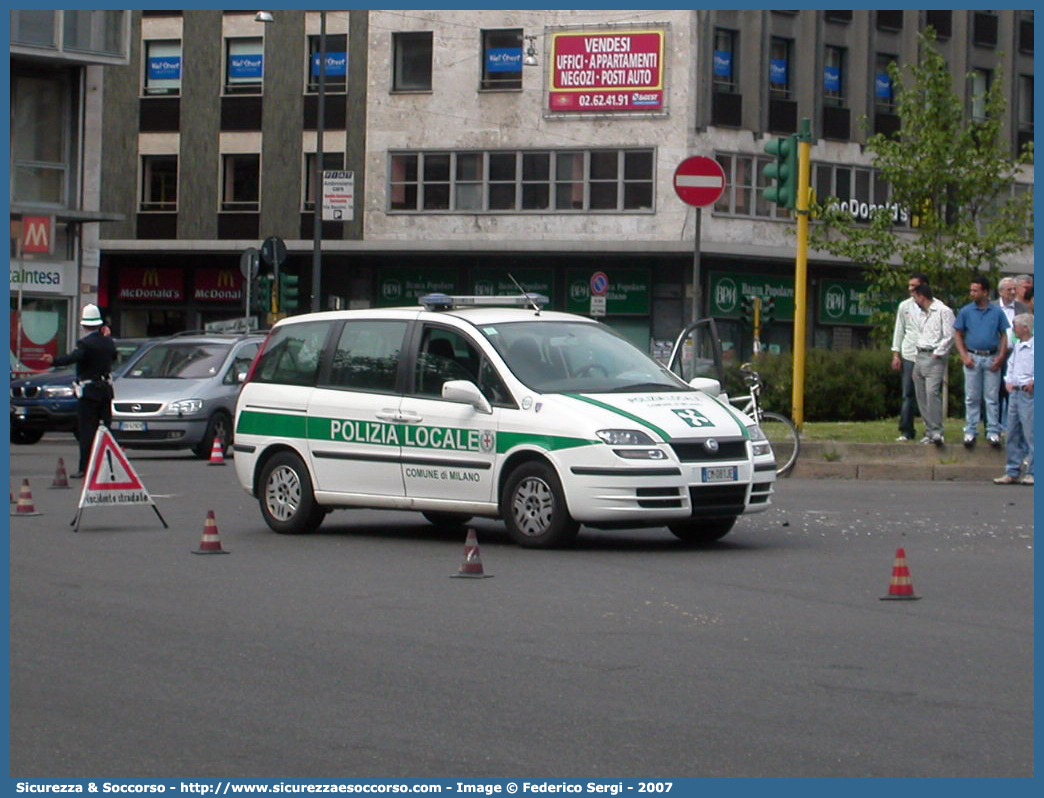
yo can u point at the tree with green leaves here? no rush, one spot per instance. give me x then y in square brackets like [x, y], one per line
[951, 175]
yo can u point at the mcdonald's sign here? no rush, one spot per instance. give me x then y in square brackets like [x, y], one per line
[152, 283]
[38, 234]
[217, 285]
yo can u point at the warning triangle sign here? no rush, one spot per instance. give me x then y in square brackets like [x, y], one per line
[109, 468]
[111, 480]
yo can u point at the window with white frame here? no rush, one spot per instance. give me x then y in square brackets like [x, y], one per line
[724, 63]
[411, 61]
[744, 181]
[241, 181]
[244, 65]
[42, 138]
[834, 77]
[884, 91]
[980, 87]
[331, 160]
[336, 73]
[162, 67]
[522, 181]
[94, 31]
[502, 59]
[159, 183]
[779, 68]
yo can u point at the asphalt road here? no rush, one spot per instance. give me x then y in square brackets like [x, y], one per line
[351, 653]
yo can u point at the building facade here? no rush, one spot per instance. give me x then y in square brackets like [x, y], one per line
[486, 148]
[58, 61]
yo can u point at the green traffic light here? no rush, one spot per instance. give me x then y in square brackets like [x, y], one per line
[784, 172]
[288, 292]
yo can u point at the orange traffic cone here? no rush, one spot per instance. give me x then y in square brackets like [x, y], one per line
[900, 588]
[25, 501]
[471, 567]
[210, 543]
[61, 479]
[217, 453]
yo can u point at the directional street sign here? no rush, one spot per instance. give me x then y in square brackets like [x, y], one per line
[699, 181]
[273, 251]
[249, 263]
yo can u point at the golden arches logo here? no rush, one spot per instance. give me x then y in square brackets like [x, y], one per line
[226, 279]
[150, 279]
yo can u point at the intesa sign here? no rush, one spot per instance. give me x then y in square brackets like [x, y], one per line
[606, 71]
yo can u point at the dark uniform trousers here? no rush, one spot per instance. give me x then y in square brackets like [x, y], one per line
[94, 355]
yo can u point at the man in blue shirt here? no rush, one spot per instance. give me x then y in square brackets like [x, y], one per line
[979, 333]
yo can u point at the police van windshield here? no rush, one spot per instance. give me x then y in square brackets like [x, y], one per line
[186, 361]
[577, 357]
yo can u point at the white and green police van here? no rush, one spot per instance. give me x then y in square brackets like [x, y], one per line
[467, 406]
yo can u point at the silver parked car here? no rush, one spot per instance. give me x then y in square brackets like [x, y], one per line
[181, 393]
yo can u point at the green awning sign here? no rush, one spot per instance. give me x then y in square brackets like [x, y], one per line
[497, 282]
[727, 292]
[848, 302]
[628, 292]
[404, 286]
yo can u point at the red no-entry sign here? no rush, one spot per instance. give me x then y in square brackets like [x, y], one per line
[699, 181]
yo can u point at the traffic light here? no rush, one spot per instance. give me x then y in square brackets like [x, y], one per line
[784, 172]
[261, 294]
[768, 306]
[288, 292]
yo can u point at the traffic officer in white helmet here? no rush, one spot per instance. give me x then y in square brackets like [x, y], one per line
[94, 355]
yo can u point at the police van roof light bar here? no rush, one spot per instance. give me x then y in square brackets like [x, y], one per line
[449, 302]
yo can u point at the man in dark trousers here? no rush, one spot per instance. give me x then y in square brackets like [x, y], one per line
[94, 355]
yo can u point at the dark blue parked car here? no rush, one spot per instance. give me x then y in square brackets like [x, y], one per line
[45, 402]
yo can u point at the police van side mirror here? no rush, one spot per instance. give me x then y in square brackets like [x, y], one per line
[466, 392]
[706, 384]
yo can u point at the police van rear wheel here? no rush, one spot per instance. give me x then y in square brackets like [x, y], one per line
[534, 508]
[703, 530]
[285, 496]
[446, 519]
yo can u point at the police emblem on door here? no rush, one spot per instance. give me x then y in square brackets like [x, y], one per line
[487, 441]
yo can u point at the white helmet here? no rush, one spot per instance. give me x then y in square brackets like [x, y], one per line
[91, 316]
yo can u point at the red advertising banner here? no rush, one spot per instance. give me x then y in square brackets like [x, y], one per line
[217, 285]
[606, 71]
[152, 284]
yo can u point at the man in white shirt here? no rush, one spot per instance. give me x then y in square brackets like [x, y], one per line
[904, 353]
[934, 339]
[1009, 302]
[1019, 382]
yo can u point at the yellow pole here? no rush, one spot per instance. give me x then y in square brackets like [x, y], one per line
[801, 275]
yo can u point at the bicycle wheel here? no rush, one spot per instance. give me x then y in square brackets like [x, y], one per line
[783, 436]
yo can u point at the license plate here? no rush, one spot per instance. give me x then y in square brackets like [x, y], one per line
[133, 426]
[719, 473]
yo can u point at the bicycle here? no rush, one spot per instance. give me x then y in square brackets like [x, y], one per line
[780, 430]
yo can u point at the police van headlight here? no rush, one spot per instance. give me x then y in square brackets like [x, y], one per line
[186, 407]
[57, 392]
[624, 437]
[759, 444]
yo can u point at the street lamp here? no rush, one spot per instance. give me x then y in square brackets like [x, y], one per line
[531, 53]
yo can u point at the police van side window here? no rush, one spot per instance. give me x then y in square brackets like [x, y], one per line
[292, 354]
[367, 355]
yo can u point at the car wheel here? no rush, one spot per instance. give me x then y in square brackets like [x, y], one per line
[702, 530]
[446, 519]
[26, 436]
[219, 426]
[285, 495]
[534, 508]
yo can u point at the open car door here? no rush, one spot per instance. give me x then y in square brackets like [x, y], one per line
[697, 353]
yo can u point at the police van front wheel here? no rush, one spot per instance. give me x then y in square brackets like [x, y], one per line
[534, 509]
[285, 495]
[702, 530]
